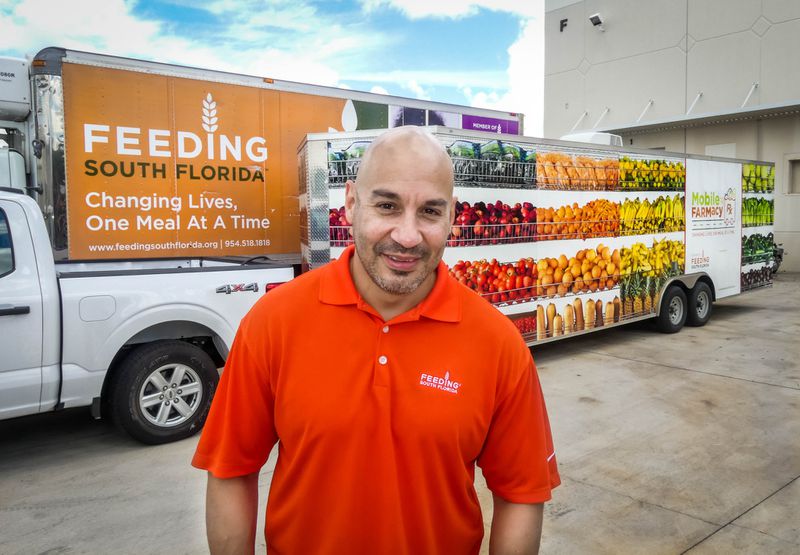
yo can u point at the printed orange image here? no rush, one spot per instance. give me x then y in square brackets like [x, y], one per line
[162, 166]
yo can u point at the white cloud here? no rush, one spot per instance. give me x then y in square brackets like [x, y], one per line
[525, 92]
[417, 89]
[522, 81]
[445, 78]
[418, 9]
[102, 24]
[285, 40]
[377, 89]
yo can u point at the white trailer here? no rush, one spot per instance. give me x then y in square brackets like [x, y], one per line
[566, 238]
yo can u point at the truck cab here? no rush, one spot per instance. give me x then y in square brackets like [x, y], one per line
[29, 313]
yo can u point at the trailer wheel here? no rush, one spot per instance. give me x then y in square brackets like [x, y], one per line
[162, 391]
[672, 315]
[699, 305]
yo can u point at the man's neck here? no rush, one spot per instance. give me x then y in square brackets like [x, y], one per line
[386, 304]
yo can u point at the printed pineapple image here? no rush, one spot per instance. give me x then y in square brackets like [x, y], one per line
[659, 284]
[638, 303]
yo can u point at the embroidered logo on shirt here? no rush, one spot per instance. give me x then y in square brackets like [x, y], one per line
[440, 383]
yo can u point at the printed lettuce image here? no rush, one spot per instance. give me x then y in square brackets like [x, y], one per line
[506, 163]
[493, 150]
[465, 165]
[343, 163]
[356, 150]
[463, 149]
[758, 248]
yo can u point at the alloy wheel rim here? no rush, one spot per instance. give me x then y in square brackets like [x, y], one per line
[170, 395]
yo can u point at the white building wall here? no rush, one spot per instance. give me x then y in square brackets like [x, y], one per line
[653, 60]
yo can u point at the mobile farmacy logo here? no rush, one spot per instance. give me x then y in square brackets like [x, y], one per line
[440, 383]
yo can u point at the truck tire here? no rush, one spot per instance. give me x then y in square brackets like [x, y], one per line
[672, 315]
[162, 391]
[699, 305]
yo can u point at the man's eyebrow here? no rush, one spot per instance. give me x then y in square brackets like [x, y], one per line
[391, 195]
[383, 193]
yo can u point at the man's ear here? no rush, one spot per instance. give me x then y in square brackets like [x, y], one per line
[349, 199]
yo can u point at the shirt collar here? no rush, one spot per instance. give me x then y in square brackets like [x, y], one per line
[443, 303]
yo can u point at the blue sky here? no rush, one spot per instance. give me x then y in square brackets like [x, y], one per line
[485, 53]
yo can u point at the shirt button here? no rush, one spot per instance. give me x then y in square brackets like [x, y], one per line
[383, 360]
[385, 329]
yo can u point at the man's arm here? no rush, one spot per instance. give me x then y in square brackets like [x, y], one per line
[231, 514]
[516, 528]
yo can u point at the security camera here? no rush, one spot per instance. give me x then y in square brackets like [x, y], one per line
[596, 19]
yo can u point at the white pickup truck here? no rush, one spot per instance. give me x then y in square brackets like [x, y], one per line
[137, 341]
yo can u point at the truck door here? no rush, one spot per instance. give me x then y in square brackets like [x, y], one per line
[20, 316]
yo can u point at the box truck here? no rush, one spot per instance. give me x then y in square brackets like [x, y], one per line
[161, 202]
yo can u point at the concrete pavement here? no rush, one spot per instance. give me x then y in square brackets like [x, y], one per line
[667, 444]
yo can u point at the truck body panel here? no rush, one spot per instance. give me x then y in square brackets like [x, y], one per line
[141, 159]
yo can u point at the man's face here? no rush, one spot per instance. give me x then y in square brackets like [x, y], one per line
[401, 214]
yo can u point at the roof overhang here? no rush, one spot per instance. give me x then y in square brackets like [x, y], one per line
[745, 114]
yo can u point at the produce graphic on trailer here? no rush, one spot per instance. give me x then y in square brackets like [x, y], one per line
[567, 240]
[758, 242]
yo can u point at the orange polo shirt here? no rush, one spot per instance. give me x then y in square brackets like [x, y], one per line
[380, 423]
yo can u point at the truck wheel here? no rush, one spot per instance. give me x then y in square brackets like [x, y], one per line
[699, 305]
[162, 391]
[672, 315]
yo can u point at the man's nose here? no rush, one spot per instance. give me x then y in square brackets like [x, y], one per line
[406, 233]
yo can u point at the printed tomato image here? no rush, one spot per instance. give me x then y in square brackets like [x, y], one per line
[588, 271]
[498, 282]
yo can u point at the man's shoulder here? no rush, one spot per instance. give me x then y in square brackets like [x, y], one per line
[477, 311]
[295, 294]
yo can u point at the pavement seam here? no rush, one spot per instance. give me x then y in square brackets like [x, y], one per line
[632, 498]
[756, 530]
[734, 519]
[654, 363]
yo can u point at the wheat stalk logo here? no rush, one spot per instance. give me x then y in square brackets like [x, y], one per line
[209, 114]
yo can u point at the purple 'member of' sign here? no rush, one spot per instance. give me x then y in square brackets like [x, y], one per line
[478, 123]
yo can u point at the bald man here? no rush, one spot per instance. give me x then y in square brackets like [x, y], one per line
[384, 382]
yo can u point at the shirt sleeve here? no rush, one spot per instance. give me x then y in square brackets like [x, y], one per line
[518, 459]
[240, 432]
